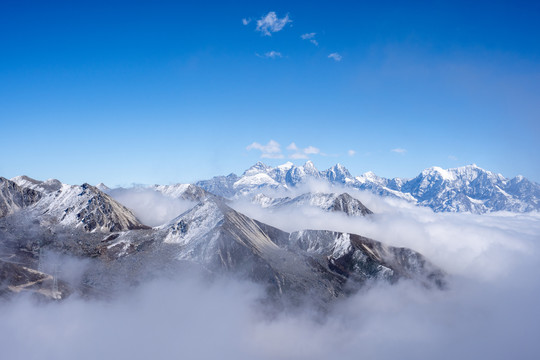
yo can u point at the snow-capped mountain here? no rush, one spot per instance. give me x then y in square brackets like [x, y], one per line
[470, 188]
[183, 191]
[82, 206]
[14, 197]
[220, 238]
[328, 202]
[467, 188]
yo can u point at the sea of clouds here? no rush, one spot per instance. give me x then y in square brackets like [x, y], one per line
[489, 311]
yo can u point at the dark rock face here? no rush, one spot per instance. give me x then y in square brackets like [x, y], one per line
[361, 259]
[102, 212]
[13, 197]
[349, 205]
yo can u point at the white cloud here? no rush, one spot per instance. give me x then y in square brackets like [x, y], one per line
[271, 55]
[272, 150]
[452, 157]
[303, 153]
[399, 151]
[351, 152]
[299, 155]
[246, 21]
[292, 147]
[335, 56]
[311, 150]
[150, 206]
[271, 23]
[310, 37]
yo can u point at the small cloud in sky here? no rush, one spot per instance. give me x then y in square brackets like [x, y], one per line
[399, 151]
[302, 153]
[311, 150]
[270, 23]
[335, 56]
[452, 157]
[351, 152]
[246, 21]
[271, 55]
[272, 150]
[292, 146]
[310, 37]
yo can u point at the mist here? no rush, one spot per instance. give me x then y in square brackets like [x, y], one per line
[488, 311]
[151, 207]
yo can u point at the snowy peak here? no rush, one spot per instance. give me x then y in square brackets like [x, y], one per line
[183, 191]
[286, 166]
[101, 186]
[219, 237]
[14, 197]
[42, 186]
[310, 169]
[326, 201]
[86, 207]
[26, 181]
[349, 205]
[338, 173]
[258, 168]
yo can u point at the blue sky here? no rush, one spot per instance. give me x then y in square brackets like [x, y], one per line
[164, 92]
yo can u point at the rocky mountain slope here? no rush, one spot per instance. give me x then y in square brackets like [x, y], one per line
[82, 206]
[14, 197]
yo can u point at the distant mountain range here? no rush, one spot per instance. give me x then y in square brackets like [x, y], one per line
[463, 189]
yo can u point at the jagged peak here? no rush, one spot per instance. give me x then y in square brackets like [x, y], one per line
[309, 166]
[101, 186]
[21, 179]
[339, 168]
[258, 165]
[370, 175]
[338, 171]
[257, 168]
[285, 166]
[436, 170]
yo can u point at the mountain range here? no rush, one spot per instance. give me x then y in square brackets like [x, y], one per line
[83, 222]
[463, 189]
[93, 224]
